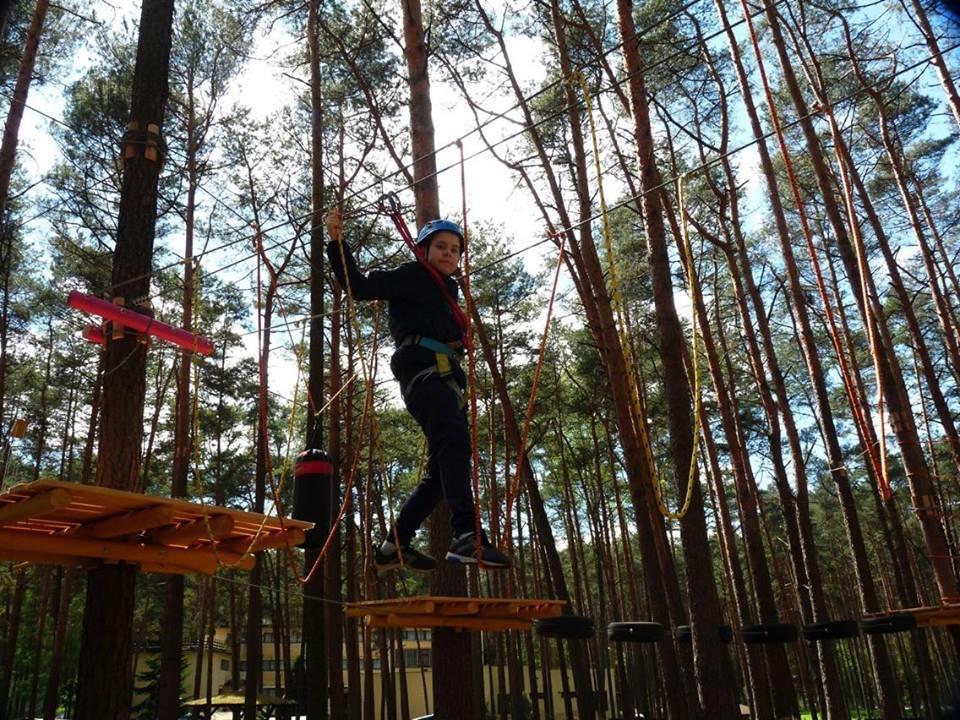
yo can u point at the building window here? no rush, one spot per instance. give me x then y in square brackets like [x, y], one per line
[414, 658]
[268, 637]
[224, 664]
[243, 666]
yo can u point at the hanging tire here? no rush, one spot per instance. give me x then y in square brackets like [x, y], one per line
[888, 624]
[637, 632]
[770, 633]
[564, 626]
[831, 630]
[685, 635]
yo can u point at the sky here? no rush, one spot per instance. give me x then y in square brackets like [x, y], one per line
[490, 188]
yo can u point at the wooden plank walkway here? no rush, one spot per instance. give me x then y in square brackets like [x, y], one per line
[425, 611]
[60, 523]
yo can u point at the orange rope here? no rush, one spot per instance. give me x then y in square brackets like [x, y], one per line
[811, 249]
[513, 489]
[471, 366]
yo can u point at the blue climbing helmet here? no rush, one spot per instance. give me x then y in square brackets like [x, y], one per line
[435, 226]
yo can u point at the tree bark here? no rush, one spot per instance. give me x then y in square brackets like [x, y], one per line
[453, 693]
[104, 674]
[171, 639]
[18, 101]
[712, 667]
[314, 625]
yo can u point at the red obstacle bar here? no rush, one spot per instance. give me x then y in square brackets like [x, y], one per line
[94, 335]
[139, 322]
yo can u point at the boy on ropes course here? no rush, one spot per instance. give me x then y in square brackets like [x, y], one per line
[430, 344]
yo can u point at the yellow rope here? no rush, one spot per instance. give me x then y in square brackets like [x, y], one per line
[374, 428]
[195, 443]
[636, 403]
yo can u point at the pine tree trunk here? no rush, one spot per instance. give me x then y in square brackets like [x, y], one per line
[52, 694]
[18, 101]
[453, 693]
[104, 674]
[44, 592]
[171, 639]
[712, 666]
[544, 529]
[44, 418]
[936, 57]
[10, 639]
[891, 382]
[314, 625]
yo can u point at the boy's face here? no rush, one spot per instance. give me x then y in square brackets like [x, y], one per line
[444, 252]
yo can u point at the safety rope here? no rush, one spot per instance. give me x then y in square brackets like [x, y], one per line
[368, 402]
[636, 402]
[513, 489]
[855, 408]
[471, 368]
[881, 467]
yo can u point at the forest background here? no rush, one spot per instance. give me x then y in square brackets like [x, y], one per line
[826, 328]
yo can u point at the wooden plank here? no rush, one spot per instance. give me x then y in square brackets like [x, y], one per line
[540, 611]
[109, 550]
[100, 499]
[266, 541]
[36, 558]
[460, 608]
[34, 506]
[188, 533]
[404, 620]
[416, 606]
[129, 523]
[505, 609]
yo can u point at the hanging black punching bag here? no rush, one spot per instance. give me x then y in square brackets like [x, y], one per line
[313, 480]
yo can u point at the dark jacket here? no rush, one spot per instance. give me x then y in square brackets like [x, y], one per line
[415, 306]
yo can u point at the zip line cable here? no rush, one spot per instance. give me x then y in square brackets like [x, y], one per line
[668, 182]
[379, 182]
[628, 201]
[665, 183]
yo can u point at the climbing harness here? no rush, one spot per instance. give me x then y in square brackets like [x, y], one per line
[443, 355]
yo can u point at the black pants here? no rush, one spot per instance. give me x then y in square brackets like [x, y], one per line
[437, 408]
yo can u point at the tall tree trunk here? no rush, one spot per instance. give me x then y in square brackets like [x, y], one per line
[712, 667]
[314, 630]
[44, 419]
[922, 22]
[10, 639]
[104, 674]
[453, 693]
[890, 378]
[808, 574]
[171, 639]
[44, 592]
[11, 129]
[52, 694]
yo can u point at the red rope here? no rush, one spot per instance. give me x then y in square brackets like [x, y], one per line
[855, 408]
[391, 207]
[513, 490]
[471, 368]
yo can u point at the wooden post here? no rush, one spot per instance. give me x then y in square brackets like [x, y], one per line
[104, 680]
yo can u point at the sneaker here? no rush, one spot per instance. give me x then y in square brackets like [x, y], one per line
[464, 550]
[389, 557]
